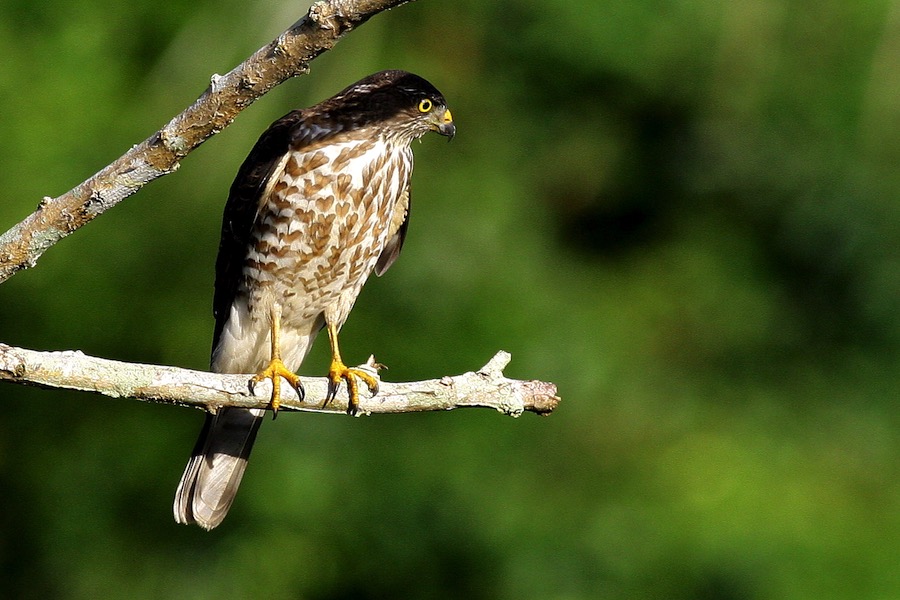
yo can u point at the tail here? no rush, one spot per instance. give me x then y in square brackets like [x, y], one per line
[212, 476]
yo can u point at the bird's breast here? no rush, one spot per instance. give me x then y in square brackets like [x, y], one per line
[323, 224]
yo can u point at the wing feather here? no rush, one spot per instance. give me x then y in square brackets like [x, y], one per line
[255, 179]
[396, 233]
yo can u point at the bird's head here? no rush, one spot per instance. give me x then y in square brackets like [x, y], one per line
[432, 112]
[402, 103]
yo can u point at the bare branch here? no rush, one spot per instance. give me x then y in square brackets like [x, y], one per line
[287, 56]
[486, 387]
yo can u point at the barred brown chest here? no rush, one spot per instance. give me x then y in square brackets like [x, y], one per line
[321, 227]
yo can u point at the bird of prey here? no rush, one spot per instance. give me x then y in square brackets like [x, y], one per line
[321, 201]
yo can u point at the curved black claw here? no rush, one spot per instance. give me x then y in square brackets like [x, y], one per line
[331, 394]
[251, 385]
[340, 372]
[276, 371]
[301, 391]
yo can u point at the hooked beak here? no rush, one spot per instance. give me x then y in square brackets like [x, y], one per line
[444, 125]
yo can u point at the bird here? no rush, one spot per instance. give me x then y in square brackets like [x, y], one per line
[321, 201]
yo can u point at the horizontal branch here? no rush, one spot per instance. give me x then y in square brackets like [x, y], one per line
[287, 56]
[73, 370]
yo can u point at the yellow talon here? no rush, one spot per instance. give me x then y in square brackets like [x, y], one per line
[338, 372]
[277, 369]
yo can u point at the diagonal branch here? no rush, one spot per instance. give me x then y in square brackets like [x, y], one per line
[486, 387]
[287, 56]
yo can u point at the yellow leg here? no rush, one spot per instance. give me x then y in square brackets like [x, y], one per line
[339, 371]
[277, 369]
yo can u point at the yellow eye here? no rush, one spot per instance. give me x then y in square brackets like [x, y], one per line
[425, 105]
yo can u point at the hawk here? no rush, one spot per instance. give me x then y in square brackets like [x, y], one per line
[321, 201]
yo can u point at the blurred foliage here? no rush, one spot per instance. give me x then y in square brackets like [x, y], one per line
[683, 213]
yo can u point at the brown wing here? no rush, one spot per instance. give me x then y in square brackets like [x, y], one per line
[250, 186]
[396, 233]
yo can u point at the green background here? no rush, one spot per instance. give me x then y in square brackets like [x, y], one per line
[686, 214]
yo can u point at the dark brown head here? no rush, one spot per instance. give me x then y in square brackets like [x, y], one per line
[403, 103]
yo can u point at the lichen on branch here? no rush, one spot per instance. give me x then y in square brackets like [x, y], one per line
[487, 387]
